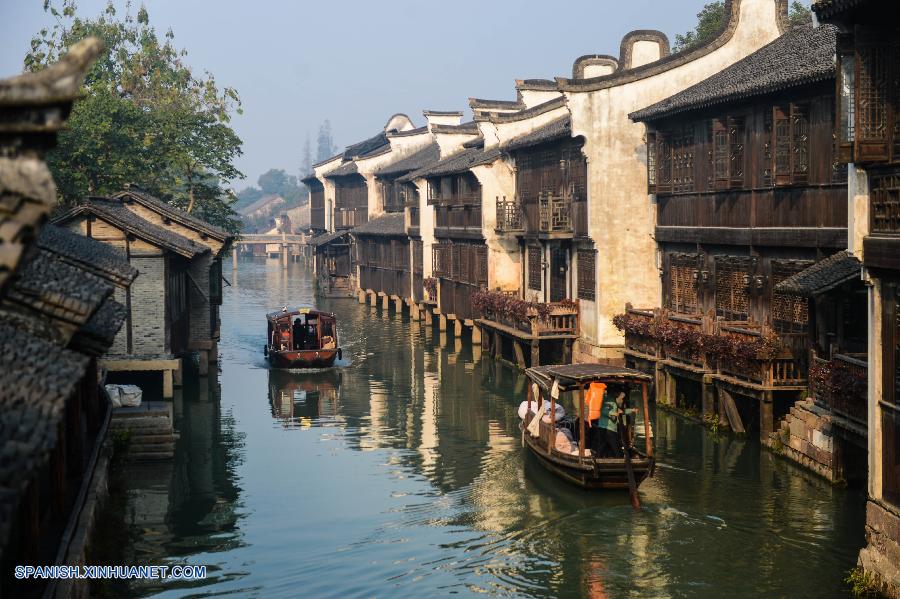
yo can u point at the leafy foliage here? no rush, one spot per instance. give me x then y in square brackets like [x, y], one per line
[430, 286]
[325, 147]
[503, 305]
[145, 117]
[837, 379]
[692, 343]
[710, 21]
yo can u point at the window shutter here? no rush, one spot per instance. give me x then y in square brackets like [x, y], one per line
[873, 86]
[482, 265]
[781, 125]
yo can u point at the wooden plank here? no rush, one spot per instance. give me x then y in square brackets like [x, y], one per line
[734, 417]
[520, 355]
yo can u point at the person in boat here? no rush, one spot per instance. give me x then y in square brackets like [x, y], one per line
[607, 442]
[299, 334]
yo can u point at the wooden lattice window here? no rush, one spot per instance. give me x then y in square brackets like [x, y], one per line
[732, 287]
[535, 272]
[683, 161]
[664, 160]
[766, 149]
[587, 278]
[790, 313]
[885, 203]
[683, 278]
[782, 129]
[800, 143]
[441, 259]
[651, 162]
[736, 128]
[721, 155]
[481, 264]
[872, 100]
[455, 250]
[418, 256]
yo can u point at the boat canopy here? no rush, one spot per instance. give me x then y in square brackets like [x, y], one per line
[572, 376]
[296, 311]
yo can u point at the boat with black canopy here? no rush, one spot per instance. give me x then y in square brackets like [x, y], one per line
[301, 337]
[564, 451]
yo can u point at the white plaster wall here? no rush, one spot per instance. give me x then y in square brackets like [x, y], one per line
[644, 52]
[857, 209]
[320, 171]
[442, 119]
[534, 97]
[506, 131]
[597, 70]
[504, 268]
[451, 143]
[875, 367]
[426, 227]
[621, 218]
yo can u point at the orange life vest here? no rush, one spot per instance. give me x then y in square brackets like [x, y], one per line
[593, 401]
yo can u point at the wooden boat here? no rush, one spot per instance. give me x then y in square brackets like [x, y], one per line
[582, 468]
[301, 338]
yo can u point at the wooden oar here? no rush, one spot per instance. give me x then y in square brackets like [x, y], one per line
[632, 485]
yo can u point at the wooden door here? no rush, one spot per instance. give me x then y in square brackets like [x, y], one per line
[558, 270]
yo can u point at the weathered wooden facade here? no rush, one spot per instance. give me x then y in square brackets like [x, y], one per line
[383, 259]
[58, 314]
[868, 134]
[317, 223]
[157, 332]
[204, 275]
[747, 193]
[334, 264]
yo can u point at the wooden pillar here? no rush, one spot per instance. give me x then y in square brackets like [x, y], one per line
[535, 353]
[497, 345]
[659, 384]
[648, 434]
[428, 316]
[178, 374]
[203, 362]
[457, 327]
[766, 416]
[373, 298]
[361, 296]
[284, 255]
[398, 305]
[385, 301]
[708, 396]
[442, 322]
[520, 355]
[168, 391]
[476, 335]
[234, 258]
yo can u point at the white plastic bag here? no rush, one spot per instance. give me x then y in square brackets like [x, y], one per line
[114, 395]
[130, 395]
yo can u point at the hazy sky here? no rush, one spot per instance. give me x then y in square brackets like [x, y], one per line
[296, 63]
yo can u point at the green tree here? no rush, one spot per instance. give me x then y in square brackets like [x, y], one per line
[325, 147]
[710, 21]
[144, 117]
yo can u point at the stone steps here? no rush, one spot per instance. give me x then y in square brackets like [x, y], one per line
[150, 430]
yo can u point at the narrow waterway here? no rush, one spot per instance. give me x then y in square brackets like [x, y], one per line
[400, 473]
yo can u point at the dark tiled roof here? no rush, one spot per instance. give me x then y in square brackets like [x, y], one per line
[387, 225]
[89, 254]
[531, 84]
[823, 275]
[475, 142]
[801, 56]
[165, 209]
[103, 326]
[366, 146]
[348, 168]
[410, 132]
[828, 8]
[57, 289]
[36, 377]
[482, 104]
[326, 238]
[309, 179]
[427, 155]
[122, 217]
[467, 128]
[558, 129]
[442, 112]
[457, 163]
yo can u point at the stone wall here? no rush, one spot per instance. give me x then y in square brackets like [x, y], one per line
[148, 307]
[199, 302]
[881, 556]
[806, 436]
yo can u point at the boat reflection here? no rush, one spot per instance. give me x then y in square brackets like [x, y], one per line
[310, 395]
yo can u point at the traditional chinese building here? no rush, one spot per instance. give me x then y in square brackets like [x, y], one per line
[157, 331]
[58, 313]
[867, 130]
[747, 194]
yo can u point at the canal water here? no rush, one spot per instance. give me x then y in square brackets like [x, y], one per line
[401, 473]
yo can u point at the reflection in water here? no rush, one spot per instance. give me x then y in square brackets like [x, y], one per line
[402, 473]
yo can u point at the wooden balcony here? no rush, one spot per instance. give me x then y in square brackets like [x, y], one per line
[561, 321]
[841, 384]
[510, 217]
[349, 218]
[456, 220]
[703, 344]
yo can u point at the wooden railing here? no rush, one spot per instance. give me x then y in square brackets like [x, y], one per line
[841, 384]
[510, 217]
[555, 213]
[785, 369]
[459, 218]
[562, 320]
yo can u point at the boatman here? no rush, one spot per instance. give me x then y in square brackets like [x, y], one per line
[607, 442]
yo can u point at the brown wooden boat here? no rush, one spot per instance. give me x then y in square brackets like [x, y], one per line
[301, 338]
[583, 469]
